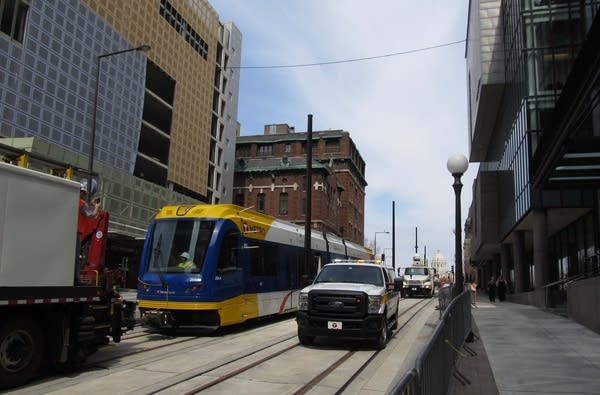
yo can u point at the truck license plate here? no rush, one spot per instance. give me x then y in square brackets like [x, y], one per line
[335, 325]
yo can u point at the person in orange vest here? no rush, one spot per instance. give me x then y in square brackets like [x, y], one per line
[86, 210]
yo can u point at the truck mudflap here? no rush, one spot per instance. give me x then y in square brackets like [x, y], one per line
[368, 327]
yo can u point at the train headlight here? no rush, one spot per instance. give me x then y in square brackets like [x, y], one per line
[375, 304]
[303, 301]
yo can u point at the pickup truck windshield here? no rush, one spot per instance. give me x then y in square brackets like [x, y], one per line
[350, 274]
[418, 271]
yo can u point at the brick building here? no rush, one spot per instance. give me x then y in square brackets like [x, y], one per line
[270, 176]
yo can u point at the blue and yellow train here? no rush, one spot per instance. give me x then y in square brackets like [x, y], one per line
[216, 265]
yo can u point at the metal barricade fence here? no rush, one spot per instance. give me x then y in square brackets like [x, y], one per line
[444, 298]
[435, 363]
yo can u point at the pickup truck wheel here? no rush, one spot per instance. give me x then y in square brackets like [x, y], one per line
[21, 350]
[381, 341]
[306, 340]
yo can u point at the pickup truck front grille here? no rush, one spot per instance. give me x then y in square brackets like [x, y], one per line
[340, 304]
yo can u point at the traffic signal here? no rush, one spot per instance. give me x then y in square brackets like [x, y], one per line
[383, 257]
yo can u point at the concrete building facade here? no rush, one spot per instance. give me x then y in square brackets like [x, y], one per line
[270, 175]
[533, 71]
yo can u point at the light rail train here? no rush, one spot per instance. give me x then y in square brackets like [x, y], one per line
[217, 265]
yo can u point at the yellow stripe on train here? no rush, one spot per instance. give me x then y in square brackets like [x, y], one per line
[232, 311]
[252, 223]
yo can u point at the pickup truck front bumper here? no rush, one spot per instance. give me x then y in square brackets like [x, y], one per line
[368, 327]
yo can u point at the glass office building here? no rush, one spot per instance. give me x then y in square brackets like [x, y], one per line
[535, 129]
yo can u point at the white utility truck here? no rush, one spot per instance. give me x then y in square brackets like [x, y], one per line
[48, 315]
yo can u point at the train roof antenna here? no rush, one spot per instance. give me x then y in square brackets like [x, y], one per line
[247, 208]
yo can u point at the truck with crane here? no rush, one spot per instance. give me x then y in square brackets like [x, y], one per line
[56, 307]
[419, 278]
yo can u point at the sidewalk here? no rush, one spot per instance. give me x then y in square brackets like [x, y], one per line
[521, 349]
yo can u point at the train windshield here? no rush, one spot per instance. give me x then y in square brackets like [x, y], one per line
[416, 271]
[350, 274]
[180, 245]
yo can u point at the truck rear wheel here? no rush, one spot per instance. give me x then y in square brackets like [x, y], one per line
[21, 350]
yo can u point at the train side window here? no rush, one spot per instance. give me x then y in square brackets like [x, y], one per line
[228, 261]
[263, 260]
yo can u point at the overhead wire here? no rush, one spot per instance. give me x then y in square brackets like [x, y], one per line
[350, 60]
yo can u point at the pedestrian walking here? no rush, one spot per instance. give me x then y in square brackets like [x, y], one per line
[473, 288]
[501, 289]
[491, 287]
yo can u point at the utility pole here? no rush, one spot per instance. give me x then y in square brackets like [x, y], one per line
[308, 214]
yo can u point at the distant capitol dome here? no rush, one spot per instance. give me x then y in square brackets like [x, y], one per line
[439, 257]
[439, 263]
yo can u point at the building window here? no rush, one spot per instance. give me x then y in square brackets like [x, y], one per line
[265, 150]
[13, 15]
[242, 150]
[260, 202]
[288, 147]
[176, 20]
[332, 145]
[283, 204]
[239, 199]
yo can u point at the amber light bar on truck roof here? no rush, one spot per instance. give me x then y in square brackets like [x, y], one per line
[373, 261]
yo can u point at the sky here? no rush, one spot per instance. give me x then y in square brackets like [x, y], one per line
[406, 112]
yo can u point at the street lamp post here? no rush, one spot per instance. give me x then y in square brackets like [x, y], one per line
[391, 249]
[457, 165]
[375, 243]
[143, 48]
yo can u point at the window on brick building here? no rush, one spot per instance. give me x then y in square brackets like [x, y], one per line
[283, 203]
[242, 150]
[288, 147]
[260, 202]
[239, 199]
[332, 145]
[265, 150]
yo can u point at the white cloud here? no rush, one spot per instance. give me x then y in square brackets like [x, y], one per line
[407, 114]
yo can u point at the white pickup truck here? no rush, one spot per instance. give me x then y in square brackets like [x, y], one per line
[349, 299]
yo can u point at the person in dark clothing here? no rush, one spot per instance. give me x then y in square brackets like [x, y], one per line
[502, 286]
[491, 287]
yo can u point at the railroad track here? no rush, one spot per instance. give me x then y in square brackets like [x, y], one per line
[160, 364]
[233, 368]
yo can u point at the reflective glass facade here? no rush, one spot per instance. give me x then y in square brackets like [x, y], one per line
[47, 83]
[541, 41]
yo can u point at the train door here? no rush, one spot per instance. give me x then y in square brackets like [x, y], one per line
[228, 273]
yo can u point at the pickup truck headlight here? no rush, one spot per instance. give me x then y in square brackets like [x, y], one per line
[427, 284]
[375, 304]
[303, 301]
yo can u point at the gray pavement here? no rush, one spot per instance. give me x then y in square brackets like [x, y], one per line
[520, 349]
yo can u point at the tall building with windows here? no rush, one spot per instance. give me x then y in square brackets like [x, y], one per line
[161, 123]
[534, 126]
[270, 175]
